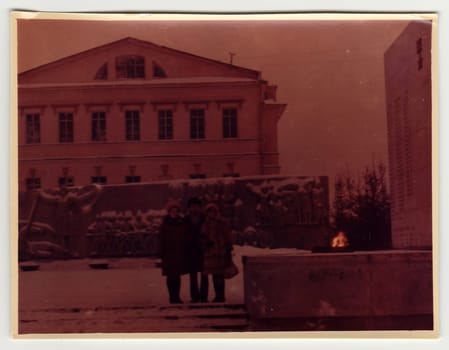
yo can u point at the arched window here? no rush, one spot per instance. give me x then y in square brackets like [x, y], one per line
[158, 71]
[102, 72]
[130, 67]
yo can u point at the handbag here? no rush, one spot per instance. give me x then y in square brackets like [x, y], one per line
[231, 270]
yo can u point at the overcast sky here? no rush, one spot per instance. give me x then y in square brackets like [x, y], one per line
[330, 74]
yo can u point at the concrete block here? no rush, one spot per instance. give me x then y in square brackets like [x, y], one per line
[390, 286]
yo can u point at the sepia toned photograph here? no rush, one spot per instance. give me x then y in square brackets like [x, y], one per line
[225, 174]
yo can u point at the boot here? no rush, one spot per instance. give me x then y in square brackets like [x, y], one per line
[194, 290]
[174, 287]
[219, 287]
[204, 288]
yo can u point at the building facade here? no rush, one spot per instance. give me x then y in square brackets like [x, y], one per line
[409, 113]
[132, 111]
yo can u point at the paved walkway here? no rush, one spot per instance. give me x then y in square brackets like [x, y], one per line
[130, 296]
[141, 319]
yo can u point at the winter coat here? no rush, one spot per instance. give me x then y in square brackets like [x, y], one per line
[172, 246]
[217, 246]
[194, 246]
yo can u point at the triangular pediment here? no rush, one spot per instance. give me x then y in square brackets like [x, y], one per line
[131, 58]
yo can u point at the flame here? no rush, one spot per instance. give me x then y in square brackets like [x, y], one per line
[340, 240]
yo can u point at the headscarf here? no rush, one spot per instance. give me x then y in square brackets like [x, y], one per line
[212, 206]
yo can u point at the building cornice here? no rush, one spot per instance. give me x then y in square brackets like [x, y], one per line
[93, 143]
[157, 83]
[146, 156]
[238, 102]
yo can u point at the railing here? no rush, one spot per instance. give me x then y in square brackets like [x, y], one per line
[124, 244]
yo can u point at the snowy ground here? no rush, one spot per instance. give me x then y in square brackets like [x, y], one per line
[130, 296]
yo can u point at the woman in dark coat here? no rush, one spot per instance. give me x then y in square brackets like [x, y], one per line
[172, 249]
[195, 218]
[217, 245]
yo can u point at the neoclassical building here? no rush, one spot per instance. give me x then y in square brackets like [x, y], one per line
[133, 111]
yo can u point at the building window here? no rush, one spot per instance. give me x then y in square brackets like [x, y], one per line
[33, 183]
[197, 176]
[197, 123]
[99, 126]
[420, 63]
[132, 179]
[231, 170]
[66, 181]
[158, 71]
[229, 123]
[419, 46]
[101, 180]
[130, 67]
[419, 53]
[132, 125]
[33, 128]
[197, 172]
[65, 127]
[164, 171]
[102, 72]
[231, 175]
[165, 124]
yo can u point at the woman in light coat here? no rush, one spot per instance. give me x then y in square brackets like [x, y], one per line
[217, 247]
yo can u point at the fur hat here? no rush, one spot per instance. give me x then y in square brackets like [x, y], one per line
[172, 204]
[212, 206]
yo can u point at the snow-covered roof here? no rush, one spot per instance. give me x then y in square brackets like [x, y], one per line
[225, 180]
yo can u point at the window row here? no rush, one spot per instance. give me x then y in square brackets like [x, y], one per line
[132, 125]
[130, 67]
[34, 183]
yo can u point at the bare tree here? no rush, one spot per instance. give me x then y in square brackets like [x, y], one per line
[362, 208]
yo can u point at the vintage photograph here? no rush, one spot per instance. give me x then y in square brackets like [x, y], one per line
[224, 174]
